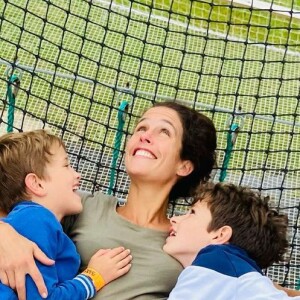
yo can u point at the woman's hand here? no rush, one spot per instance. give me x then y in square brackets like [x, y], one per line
[111, 263]
[17, 259]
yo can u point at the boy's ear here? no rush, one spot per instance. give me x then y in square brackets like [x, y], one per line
[222, 235]
[34, 185]
[186, 167]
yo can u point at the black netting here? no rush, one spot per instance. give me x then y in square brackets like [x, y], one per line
[77, 61]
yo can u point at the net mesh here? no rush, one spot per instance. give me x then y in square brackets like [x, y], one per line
[78, 60]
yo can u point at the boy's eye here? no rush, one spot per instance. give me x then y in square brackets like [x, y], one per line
[192, 211]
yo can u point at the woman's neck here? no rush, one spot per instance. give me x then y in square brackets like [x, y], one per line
[147, 206]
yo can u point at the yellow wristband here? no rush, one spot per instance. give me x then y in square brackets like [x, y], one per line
[96, 277]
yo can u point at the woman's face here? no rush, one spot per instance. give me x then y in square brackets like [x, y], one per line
[153, 151]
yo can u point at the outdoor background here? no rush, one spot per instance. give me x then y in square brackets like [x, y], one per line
[78, 60]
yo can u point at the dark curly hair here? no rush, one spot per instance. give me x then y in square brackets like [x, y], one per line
[199, 142]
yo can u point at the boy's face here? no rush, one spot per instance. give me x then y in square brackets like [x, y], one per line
[61, 183]
[188, 234]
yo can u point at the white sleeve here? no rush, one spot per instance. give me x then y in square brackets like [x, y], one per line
[198, 283]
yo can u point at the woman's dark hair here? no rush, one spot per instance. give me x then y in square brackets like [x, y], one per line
[199, 142]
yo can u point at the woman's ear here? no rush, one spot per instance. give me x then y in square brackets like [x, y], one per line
[222, 235]
[186, 167]
[34, 185]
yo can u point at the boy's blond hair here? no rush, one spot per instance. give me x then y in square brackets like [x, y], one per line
[20, 154]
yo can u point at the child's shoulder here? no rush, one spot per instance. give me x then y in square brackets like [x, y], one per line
[26, 206]
[28, 213]
[226, 259]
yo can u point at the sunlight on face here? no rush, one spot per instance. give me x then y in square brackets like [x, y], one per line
[61, 184]
[189, 233]
[153, 151]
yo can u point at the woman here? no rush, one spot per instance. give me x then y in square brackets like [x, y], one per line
[171, 150]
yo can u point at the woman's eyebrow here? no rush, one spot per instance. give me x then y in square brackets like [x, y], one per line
[163, 120]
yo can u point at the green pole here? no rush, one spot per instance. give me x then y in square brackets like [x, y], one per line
[228, 151]
[13, 86]
[123, 108]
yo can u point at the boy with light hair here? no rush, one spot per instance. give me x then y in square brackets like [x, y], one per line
[38, 187]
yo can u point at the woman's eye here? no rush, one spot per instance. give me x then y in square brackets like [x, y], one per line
[165, 131]
[141, 128]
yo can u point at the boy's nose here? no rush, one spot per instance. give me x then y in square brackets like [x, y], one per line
[178, 219]
[77, 175]
[172, 220]
[175, 219]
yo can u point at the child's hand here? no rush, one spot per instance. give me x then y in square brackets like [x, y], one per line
[111, 263]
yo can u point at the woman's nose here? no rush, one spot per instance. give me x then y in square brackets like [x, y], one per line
[145, 137]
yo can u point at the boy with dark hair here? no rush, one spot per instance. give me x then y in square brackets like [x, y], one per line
[228, 236]
[38, 187]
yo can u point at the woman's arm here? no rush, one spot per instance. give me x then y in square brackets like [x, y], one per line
[60, 278]
[17, 259]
